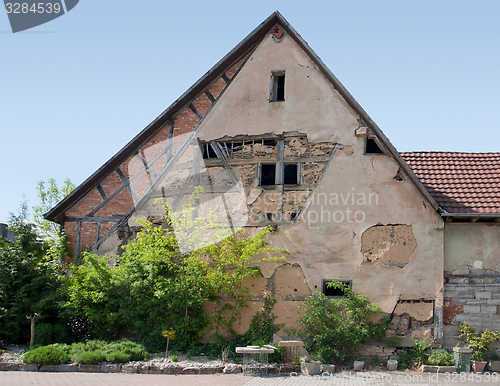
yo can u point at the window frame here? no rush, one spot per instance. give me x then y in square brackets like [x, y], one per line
[274, 87]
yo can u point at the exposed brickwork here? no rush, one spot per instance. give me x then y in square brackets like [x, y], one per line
[88, 235]
[217, 87]
[119, 205]
[476, 304]
[106, 226]
[86, 204]
[160, 163]
[156, 144]
[141, 184]
[185, 121]
[133, 166]
[202, 104]
[111, 183]
[232, 71]
[71, 229]
[450, 312]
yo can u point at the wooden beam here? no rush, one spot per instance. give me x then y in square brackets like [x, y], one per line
[474, 219]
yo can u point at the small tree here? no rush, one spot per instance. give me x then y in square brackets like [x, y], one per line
[334, 328]
[479, 342]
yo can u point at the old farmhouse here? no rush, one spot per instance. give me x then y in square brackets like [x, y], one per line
[273, 137]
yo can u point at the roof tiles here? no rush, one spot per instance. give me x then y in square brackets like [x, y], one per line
[459, 182]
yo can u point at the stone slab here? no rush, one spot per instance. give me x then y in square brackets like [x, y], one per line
[111, 368]
[28, 367]
[48, 369]
[67, 368]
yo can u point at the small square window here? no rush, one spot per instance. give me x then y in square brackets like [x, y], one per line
[268, 174]
[372, 146]
[335, 292]
[277, 86]
[290, 174]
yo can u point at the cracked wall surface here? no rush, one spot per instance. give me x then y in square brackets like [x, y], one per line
[472, 278]
[392, 245]
[342, 197]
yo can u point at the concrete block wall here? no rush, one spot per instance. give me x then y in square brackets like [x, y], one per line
[477, 304]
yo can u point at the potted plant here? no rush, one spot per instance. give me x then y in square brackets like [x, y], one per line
[309, 367]
[494, 362]
[479, 342]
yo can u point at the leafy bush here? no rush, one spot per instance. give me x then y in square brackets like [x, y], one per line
[441, 358]
[375, 360]
[117, 357]
[480, 343]
[46, 334]
[120, 351]
[89, 357]
[46, 355]
[29, 278]
[421, 351]
[334, 328]
[406, 359]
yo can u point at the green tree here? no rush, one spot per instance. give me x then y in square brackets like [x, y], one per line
[49, 194]
[28, 282]
[164, 277]
[334, 328]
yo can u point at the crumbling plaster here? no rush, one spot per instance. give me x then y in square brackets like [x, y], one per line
[473, 245]
[331, 249]
[311, 102]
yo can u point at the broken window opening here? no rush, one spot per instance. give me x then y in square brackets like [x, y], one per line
[208, 152]
[269, 217]
[277, 86]
[291, 174]
[334, 292]
[372, 147]
[269, 142]
[268, 174]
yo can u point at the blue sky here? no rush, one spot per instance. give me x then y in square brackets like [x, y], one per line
[74, 91]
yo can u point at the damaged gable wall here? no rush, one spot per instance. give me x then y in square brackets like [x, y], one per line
[355, 216]
[357, 198]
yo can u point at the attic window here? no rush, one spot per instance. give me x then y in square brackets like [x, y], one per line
[277, 93]
[208, 151]
[268, 174]
[290, 174]
[372, 146]
[334, 292]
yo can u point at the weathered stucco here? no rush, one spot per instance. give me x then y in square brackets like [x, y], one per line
[473, 245]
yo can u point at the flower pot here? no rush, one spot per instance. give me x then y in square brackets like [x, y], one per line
[478, 366]
[310, 368]
[392, 365]
[330, 369]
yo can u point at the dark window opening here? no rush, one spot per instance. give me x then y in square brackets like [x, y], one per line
[372, 147]
[269, 217]
[268, 174]
[278, 86]
[334, 292]
[269, 142]
[208, 152]
[293, 216]
[290, 177]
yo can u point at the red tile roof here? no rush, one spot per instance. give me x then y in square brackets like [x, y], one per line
[459, 182]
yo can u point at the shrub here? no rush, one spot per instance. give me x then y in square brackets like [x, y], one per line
[406, 359]
[89, 357]
[375, 360]
[421, 351]
[441, 358]
[174, 357]
[46, 334]
[46, 355]
[334, 328]
[480, 343]
[117, 357]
